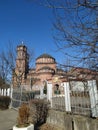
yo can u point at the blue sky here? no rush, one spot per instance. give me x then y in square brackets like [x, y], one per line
[22, 20]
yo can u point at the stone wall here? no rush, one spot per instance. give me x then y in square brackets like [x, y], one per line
[71, 122]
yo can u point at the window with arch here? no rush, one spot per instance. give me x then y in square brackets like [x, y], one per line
[45, 87]
[57, 90]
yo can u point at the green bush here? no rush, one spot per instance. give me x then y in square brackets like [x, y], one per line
[4, 102]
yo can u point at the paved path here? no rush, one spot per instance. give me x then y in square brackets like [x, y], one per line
[7, 119]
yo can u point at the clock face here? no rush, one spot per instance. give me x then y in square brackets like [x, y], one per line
[55, 79]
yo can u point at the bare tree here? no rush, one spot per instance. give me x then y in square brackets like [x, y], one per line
[8, 62]
[76, 30]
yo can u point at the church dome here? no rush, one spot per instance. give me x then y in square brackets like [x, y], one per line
[45, 55]
[45, 58]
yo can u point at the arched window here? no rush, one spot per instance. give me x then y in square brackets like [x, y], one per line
[45, 87]
[57, 90]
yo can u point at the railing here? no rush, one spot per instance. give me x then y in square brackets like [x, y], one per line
[80, 103]
[5, 92]
[58, 102]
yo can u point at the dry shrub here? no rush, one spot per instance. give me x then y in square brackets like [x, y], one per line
[39, 110]
[23, 116]
[35, 113]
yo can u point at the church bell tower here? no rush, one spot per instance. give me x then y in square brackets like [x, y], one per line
[22, 62]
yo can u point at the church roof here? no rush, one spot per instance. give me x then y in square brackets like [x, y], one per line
[46, 67]
[45, 55]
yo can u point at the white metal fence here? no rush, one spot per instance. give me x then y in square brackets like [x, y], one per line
[83, 101]
[5, 92]
[20, 96]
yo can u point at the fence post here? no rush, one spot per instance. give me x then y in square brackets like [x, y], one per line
[93, 97]
[1, 91]
[41, 93]
[8, 92]
[49, 92]
[67, 97]
[11, 91]
[11, 95]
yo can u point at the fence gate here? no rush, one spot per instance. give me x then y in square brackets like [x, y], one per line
[20, 96]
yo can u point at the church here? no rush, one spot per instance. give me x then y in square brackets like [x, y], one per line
[45, 70]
